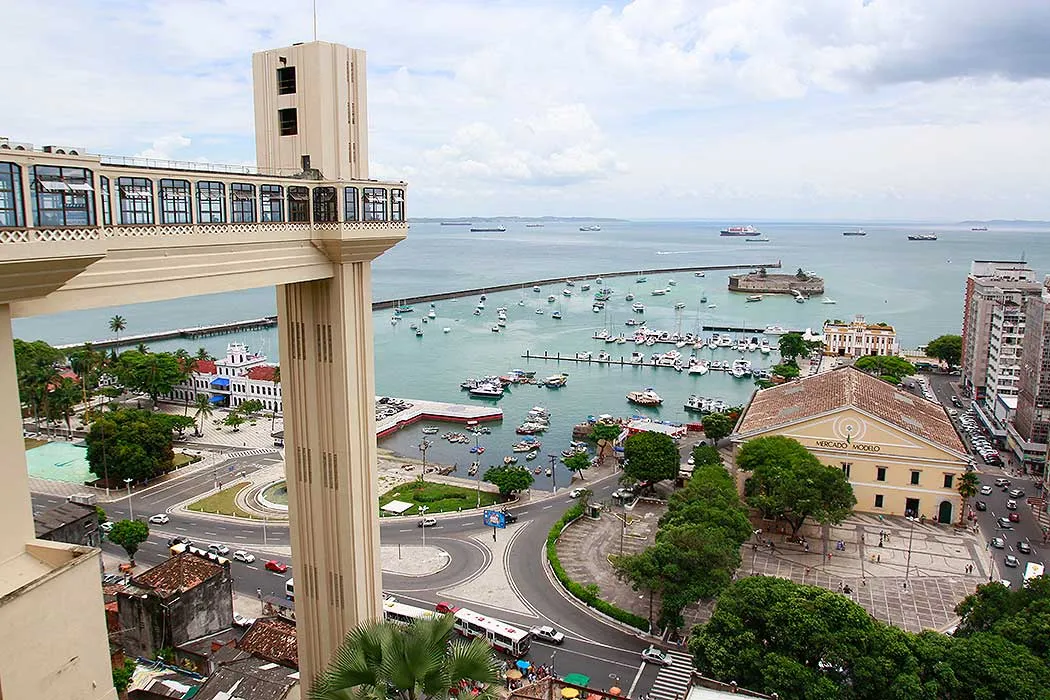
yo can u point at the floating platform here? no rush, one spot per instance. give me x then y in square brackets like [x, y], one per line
[437, 411]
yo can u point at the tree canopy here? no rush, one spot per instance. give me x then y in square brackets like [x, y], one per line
[419, 661]
[131, 444]
[788, 481]
[605, 431]
[947, 348]
[578, 463]
[153, 373]
[717, 426]
[793, 346]
[650, 457]
[129, 534]
[885, 366]
[706, 454]
[771, 635]
[509, 479]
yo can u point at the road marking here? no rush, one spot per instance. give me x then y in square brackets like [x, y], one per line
[249, 566]
[547, 507]
[239, 537]
[180, 529]
[210, 533]
[406, 530]
[634, 683]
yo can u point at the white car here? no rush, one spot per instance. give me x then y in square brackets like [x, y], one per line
[576, 493]
[428, 522]
[985, 490]
[241, 555]
[106, 526]
[655, 655]
[548, 634]
[220, 549]
[242, 621]
[159, 519]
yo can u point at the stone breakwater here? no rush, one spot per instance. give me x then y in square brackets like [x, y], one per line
[757, 283]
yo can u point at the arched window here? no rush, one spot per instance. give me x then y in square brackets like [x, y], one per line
[211, 202]
[242, 203]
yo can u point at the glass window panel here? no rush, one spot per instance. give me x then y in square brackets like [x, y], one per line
[62, 196]
[350, 195]
[299, 204]
[326, 209]
[176, 202]
[211, 202]
[11, 212]
[242, 203]
[135, 200]
[107, 207]
[271, 201]
[397, 205]
[375, 203]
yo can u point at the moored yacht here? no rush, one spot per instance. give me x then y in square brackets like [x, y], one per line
[774, 330]
[644, 398]
[638, 307]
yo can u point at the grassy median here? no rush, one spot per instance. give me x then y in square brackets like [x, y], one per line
[439, 498]
[223, 502]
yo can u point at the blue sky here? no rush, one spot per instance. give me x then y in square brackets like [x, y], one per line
[742, 109]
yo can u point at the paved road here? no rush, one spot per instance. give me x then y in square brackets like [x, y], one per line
[1028, 529]
[607, 654]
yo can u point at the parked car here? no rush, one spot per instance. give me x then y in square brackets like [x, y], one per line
[179, 539]
[160, 519]
[508, 517]
[1023, 547]
[276, 566]
[1011, 561]
[446, 608]
[956, 401]
[106, 526]
[427, 522]
[981, 505]
[548, 634]
[998, 542]
[219, 549]
[242, 621]
[241, 555]
[1017, 493]
[576, 493]
[655, 655]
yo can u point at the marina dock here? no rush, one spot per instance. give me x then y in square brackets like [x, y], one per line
[195, 332]
[437, 411]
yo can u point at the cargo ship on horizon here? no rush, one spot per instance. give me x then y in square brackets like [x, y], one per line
[740, 231]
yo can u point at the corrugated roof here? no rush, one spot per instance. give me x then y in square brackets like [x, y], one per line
[848, 386]
[249, 679]
[59, 516]
[177, 574]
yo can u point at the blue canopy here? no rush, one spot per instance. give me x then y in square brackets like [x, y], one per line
[220, 381]
[216, 399]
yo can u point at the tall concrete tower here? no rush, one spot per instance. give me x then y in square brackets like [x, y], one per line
[311, 110]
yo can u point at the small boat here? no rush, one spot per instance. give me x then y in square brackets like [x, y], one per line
[774, 330]
[419, 333]
[764, 346]
[430, 430]
[699, 274]
[633, 322]
[446, 329]
[547, 472]
[537, 470]
[712, 306]
[477, 312]
[533, 225]
[855, 232]
[800, 299]
[495, 329]
[585, 287]
[489, 390]
[551, 299]
[531, 456]
[508, 460]
[521, 302]
[604, 356]
[585, 355]
[671, 283]
[431, 314]
[570, 283]
[556, 314]
[566, 292]
[701, 368]
[923, 237]
[754, 297]
[488, 229]
[644, 398]
[403, 309]
[642, 280]
[741, 368]
[536, 289]
[598, 281]
[658, 292]
[597, 307]
[694, 403]
[763, 239]
[638, 308]
[629, 297]
[679, 306]
[594, 227]
[501, 323]
[539, 312]
[828, 300]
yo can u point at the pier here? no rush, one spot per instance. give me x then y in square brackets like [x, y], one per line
[195, 332]
[425, 298]
[420, 409]
[620, 361]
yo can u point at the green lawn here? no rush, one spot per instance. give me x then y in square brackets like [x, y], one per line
[182, 459]
[222, 502]
[439, 498]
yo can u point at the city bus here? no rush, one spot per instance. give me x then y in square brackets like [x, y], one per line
[1032, 570]
[500, 635]
[289, 589]
[404, 614]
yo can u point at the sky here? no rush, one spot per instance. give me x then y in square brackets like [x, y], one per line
[737, 109]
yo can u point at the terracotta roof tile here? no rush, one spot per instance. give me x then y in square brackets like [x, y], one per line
[848, 386]
[263, 373]
[205, 366]
[273, 639]
[177, 574]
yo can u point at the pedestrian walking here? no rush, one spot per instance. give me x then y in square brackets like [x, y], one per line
[806, 546]
[840, 586]
[878, 558]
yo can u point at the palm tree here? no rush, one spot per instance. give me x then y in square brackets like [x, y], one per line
[276, 383]
[420, 661]
[203, 355]
[969, 484]
[141, 347]
[117, 324]
[188, 365]
[203, 409]
[63, 397]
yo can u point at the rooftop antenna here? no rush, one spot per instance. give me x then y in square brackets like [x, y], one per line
[315, 20]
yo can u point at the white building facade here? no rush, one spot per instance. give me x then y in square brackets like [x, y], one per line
[234, 379]
[858, 338]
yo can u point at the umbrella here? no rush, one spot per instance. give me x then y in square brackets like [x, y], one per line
[523, 664]
[594, 696]
[614, 690]
[514, 674]
[570, 693]
[577, 679]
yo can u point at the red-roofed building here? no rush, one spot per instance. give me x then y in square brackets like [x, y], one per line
[185, 597]
[230, 381]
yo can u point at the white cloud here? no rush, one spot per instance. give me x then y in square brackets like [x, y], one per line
[755, 108]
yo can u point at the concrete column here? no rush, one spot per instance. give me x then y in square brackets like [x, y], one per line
[328, 389]
[16, 511]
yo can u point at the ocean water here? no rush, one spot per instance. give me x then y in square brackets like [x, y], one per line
[915, 286]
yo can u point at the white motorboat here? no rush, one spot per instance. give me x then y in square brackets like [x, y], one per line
[828, 300]
[659, 292]
[629, 297]
[764, 346]
[431, 314]
[535, 289]
[741, 368]
[741, 345]
[638, 307]
[725, 342]
[699, 274]
[566, 292]
[701, 368]
[644, 398]
[679, 306]
[600, 334]
[604, 356]
[671, 283]
[753, 298]
[774, 330]
[586, 355]
[556, 381]
[488, 390]
[446, 329]
[551, 299]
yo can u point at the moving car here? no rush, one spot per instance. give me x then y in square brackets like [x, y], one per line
[986, 490]
[179, 539]
[427, 522]
[998, 542]
[548, 634]
[1024, 548]
[981, 505]
[241, 555]
[1015, 517]
[159, 519]
[1011, 505]
[576, 493]
[1005, 523]
[508, 517]
[219, 549]
[446, 608]
[655, 655]
[1011, 561]
[1000, 482]
[1017, 493]
[276, 566]
[106, 526]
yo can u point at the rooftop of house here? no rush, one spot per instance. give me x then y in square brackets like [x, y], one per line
[204, 366]
[178, 574]
[273, 639]
[263, 373]
[848, 386]
[249, 678]
[60, 516]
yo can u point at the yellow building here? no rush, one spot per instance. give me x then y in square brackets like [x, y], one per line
[859, 338]
[899, 451]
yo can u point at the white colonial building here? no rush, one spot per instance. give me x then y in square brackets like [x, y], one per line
[234, 379]
[858, 338]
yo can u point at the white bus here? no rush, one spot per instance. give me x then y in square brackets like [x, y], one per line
[289, 589]
[404, 614]
[1032, 570]
[500, 635]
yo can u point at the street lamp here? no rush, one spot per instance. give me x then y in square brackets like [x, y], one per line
[423, 524]
[131, 509]
[554, 460]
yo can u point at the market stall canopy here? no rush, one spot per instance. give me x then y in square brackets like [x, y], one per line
[396, 507]
[577, 679]
[570, 693]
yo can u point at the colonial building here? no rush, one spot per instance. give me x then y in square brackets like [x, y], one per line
[899, 451]
[232, 380]
[859, 338]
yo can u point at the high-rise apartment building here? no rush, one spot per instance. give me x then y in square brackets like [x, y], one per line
[991, 286]
[1031, 427]
[81, 230]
